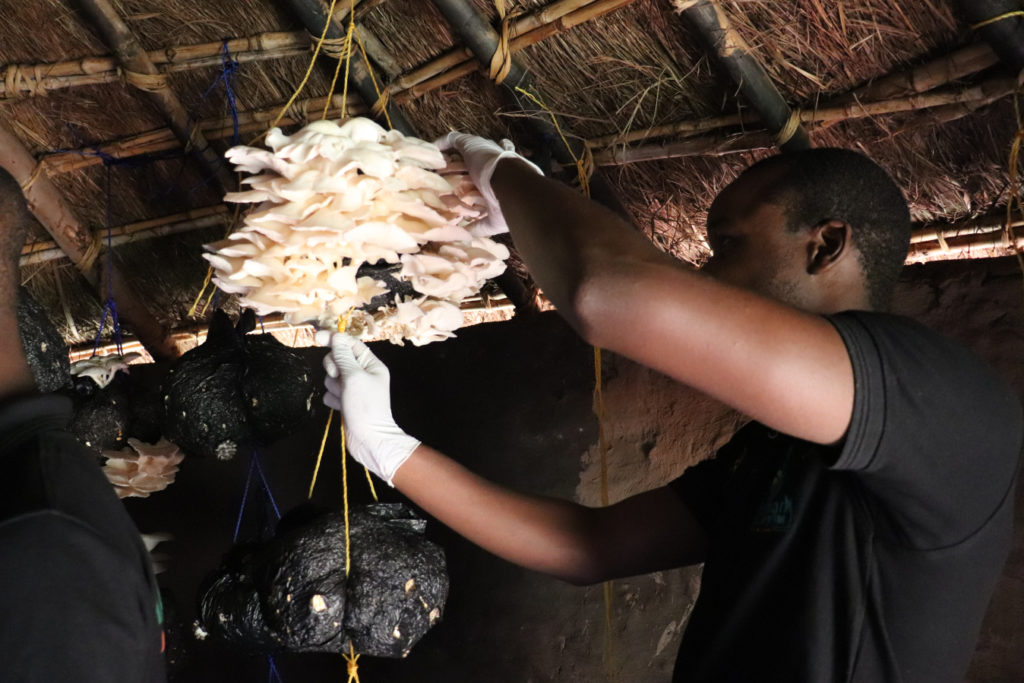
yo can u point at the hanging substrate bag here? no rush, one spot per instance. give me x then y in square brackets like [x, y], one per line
[235, 390]
[292, 592]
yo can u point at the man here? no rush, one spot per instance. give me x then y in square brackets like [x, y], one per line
[855, 530]
[78, 600]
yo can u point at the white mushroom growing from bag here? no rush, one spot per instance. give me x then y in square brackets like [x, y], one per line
[334, 197]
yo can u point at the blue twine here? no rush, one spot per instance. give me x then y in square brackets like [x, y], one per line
[272, 673]
[266, 484]
[109, 306]
[263, 330]
[245, 497]
[257, 468]
[228, 70]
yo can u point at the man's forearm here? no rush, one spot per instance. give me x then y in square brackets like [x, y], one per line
[546, 535]
[565, 238]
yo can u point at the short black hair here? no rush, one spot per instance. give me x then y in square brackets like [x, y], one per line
[15, 218]
[829, 183]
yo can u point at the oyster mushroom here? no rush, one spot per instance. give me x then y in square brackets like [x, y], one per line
[335, 196]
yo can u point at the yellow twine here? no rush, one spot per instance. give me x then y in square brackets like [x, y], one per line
[1001, 17]
[320, 455]
[344, 494]
[382, 99]
[581, 166]
[309, 69]
[352, 664]
[348, 61]
[335, 47]
[199, 296]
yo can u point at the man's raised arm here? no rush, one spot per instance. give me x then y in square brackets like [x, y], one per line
[784, 367]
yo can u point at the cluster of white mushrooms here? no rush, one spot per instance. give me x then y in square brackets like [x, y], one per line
[334, 197]
[143, 468]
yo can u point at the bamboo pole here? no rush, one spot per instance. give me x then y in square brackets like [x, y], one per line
[550, 20]
[483, 40]
[77, 242]
[980, 225]
[974, 96]
[733, 53]
[904, 83]
[928, 76]
[40, 252]
[141, 72]
[163, 139]
[973, 247]
[38, 79]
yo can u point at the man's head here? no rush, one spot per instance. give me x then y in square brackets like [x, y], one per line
[15, 220]
[821, 229]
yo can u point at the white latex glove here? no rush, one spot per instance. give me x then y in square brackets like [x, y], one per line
[481, 157]
[359, 387]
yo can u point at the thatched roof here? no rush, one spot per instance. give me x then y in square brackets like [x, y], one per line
[606, 71]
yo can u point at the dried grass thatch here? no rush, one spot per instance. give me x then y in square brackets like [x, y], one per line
[631, 69]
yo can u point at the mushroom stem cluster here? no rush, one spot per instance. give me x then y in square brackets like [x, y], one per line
[333, 197]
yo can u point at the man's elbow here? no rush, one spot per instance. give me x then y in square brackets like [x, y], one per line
[592, 310]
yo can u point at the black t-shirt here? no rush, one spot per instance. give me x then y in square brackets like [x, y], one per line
[78, 601]
[870, 562]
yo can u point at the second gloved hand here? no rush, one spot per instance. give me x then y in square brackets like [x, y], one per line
[359, 386]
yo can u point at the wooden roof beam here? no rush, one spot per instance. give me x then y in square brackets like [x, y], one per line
[733, 53]
[78, 242]
[140, 72]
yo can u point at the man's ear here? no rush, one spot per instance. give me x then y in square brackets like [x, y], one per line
[829, 241]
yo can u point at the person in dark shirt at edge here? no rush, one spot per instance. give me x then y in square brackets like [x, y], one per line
[78, 601]
[854, 531]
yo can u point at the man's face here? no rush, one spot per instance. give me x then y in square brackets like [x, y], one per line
[751, 245]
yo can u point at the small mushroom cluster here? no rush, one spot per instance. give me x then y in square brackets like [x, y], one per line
[142, 469]
[332, 198]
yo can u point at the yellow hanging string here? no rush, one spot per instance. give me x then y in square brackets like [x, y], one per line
[583, 170]
[320, 455]
[352, 661]
[1001, 17]
[345, 56]
[381, 104]
[580, 161]
[344, 497]
[309, 69]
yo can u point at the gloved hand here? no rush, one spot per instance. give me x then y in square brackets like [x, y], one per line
[359, 387]
[481, 157]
